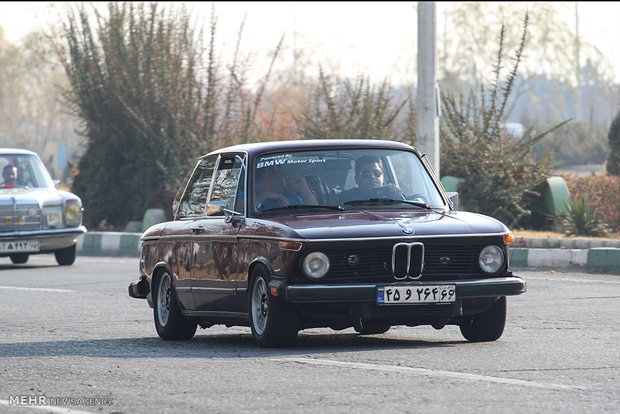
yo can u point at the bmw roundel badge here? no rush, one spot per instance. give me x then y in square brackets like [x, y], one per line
[407, 231]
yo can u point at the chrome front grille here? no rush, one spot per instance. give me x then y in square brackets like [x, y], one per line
[16, 217]
[427, 260]
[407, 260]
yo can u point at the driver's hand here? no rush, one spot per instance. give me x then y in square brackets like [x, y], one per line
[298, 183]
[267, 195]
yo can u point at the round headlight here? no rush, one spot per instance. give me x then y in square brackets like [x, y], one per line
[73, 213]
[491, 259]
[315, 265]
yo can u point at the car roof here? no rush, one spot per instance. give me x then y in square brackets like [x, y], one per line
[312, 144]
[16, 151]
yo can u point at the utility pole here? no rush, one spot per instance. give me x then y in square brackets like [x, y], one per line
[578, 62]
[427, 102]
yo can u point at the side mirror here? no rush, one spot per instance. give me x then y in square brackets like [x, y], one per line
[454, 199]
[231, 215]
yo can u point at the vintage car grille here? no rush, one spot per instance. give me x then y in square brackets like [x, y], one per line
[20, 217]
[372, 263]
[362, 262]
[407, 260]
[450, 259]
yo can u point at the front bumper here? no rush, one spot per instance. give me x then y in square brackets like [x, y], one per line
[48, 239]
[465, 289]
[141, 288]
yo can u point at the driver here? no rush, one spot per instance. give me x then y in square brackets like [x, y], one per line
[9, 174]
[369, 178]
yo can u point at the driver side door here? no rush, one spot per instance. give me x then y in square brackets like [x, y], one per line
[215, 241]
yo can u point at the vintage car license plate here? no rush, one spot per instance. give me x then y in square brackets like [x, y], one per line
[397, 295]
[19, 246]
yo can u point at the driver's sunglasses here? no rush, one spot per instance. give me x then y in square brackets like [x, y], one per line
[366, 174]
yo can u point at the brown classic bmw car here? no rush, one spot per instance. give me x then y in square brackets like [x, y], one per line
[285, 236]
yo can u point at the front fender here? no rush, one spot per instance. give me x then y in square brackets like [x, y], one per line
[157, 269]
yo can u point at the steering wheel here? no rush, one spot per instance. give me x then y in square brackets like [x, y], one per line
[388, 191]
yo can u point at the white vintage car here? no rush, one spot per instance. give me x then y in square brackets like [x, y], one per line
[35, 217]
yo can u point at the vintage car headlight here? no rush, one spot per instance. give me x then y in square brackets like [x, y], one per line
[491, 259]
[73, 213]
[51, 216]
[315, 265]
[53, 219]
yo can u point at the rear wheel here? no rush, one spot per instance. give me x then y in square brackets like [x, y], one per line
[66, 256]
[487, 326]
[273, 323]
[169, 321]
[19, 258]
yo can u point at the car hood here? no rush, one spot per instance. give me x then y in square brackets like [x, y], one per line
[392, 223]
[40, 196]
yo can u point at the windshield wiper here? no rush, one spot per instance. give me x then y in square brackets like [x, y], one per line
[389, 201]
[304, 206]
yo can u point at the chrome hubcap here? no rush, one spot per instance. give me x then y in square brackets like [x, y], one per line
[163, 299]
[260, 306]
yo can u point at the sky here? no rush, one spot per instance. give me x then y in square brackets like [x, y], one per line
[351, 38]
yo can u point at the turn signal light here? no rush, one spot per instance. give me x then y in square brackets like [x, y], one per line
[274, 291]
[509, 238]
[290, 245]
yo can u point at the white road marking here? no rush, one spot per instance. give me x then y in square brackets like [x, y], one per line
[36, 289]
[430, 373]
[46, 408]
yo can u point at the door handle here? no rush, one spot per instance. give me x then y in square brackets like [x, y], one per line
[198, 230]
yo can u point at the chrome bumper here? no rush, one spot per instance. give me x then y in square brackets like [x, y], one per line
[49, 239]
[465, 289]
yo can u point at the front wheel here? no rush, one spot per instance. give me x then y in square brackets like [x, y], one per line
[487, 326]
[19, 258]
[169, 321]
[66, 256]
[273, 323]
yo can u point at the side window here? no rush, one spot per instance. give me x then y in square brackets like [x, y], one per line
[194, 199]
[240, 197]
[228, 186]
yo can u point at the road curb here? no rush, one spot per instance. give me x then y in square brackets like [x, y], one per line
[596, 258]
[110, 243]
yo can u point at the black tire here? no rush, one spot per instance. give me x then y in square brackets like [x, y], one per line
[66, 256]
[19, 258]
[169, 322]
[487, 326]
[273, 323]
[372, 328]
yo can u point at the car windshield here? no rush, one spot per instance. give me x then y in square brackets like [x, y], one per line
[23, 171]
[371, 178]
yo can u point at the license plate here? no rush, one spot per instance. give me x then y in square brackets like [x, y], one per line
[396, 295]
[19, 246]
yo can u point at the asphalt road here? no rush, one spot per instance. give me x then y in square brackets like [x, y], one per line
[72, 340]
